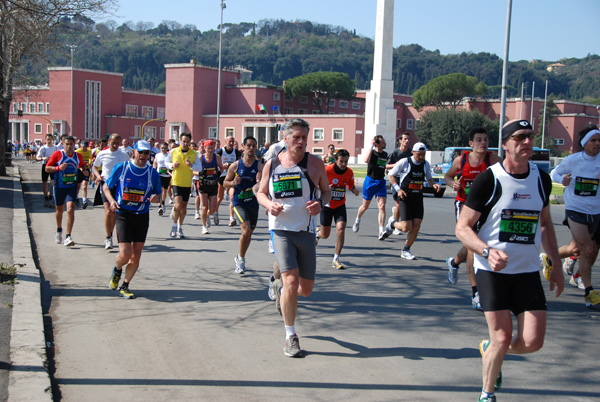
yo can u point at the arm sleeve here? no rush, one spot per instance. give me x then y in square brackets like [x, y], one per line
[481, 191]
[562, 169]
[197, 165]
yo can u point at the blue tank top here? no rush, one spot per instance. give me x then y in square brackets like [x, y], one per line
[210, 171]
[243, 193]
[67, 178]
[134, 188]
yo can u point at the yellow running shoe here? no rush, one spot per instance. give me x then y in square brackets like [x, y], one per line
[592, 299]
[114, 279]
[126, 293]
[337, 264]
[547, 265]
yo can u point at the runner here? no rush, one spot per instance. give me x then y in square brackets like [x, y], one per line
[207, 185]
[228, 155]
[195, 179]
[408, 191]
[403, 151]
[82, 179]
[289, 194]
[107, 159]
[329, 157]
[43, 155]
[510, 200]
[374, 184]
[243, 176]
[160, 165]
[125, 147]
[65, 165]
[135, 185]
[465, 168]
[339, 177]
[183, 161]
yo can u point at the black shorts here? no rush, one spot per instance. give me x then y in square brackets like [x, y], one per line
[132, 228]
[64, 195]
[165, 181]
[46, 175]
[411, 207]
[208, 189]
[101, 187]
[81, 177]
[337, 215]
[591, 221]
[246, 214]
[516, 292]
[183, 192]
[221, 179]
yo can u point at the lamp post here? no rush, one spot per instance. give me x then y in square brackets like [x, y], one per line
[149, 121]
[219, 78]
[72, 47]
[504, 78]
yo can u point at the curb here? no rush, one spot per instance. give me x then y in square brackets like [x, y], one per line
[28, 378]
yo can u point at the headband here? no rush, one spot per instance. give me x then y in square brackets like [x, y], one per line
[588, 136]
[515, 126]
[208, 143]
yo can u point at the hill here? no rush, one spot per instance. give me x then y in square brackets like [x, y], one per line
[276, 50]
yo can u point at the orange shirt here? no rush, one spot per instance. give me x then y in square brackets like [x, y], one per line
[338, 183]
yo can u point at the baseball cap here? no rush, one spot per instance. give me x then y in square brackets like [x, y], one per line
[86, 144]
[419, 147]
[142, 145]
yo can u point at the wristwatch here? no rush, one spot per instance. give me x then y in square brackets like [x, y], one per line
[486, 252]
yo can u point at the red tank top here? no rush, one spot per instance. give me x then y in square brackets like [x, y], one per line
[468, 173]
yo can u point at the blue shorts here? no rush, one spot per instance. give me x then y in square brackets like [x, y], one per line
[373, 188]
[63, 195]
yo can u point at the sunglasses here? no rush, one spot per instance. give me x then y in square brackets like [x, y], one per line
[521, 137]
[144, 152]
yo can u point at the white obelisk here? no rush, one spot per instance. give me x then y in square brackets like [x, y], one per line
[380, 115]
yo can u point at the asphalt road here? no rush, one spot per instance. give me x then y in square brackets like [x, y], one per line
[384, 329]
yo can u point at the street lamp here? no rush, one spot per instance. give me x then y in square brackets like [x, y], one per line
[72, 47]
[149, 121]
[219, 78]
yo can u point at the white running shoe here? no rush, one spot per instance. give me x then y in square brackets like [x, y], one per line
[578, 283]
[383, 235]
[208, 221]
[173, 230]
[406, 254]
[108, 244]
[271, 250]
[170, 200]
[216, 218]
[58, 237]
[397, 232]
[356, 227]
[232, 222]
[205, 230]
[568, 266]
[475, 303]
[161, 211]
[240, 265]
[69, 242]
[271, 291]
[180, 234]
[196, 216]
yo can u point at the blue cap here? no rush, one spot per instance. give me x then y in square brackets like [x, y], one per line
[142, 145]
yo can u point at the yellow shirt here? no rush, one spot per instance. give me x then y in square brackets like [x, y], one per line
[182, 175]
[87, 155]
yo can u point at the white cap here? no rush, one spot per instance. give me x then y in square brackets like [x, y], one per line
[419, 147]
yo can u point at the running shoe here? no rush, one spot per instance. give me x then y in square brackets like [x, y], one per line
[170, 200]
[397, 232]
[196, 216]
[46, 202]
[317, 238]
[592, 299]
[58, 238]
[108, 243]
[475, 303]
[271, 291]
[292, 347]
[205, 230]
[483, 345]
[161, 211]
[126, 293]
[491, 398]
[546, 264]
[208, 221]
[232, 222]
[227, 196]
[452, 272]
[337, 264]
[356, 227]
[271, 249]
[69, 242]
[174, 230]
[216, 218]
[383, 235]
[113, 283]
[568, 266]
[180, 234]
[390, 225]
[85, 204]
[240, 265]
[171, 214]
[406, 254]
[576, 282]
[277, 285]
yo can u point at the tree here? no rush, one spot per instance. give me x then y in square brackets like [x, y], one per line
[322, 86]
[447, 90]
[28, 29]
[450, 128]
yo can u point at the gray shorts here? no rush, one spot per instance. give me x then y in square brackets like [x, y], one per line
[296, 250]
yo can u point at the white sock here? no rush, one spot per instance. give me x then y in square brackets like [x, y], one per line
[336, 257]
[179, 228]
[289, 331]
[357, 220]
[381, 229]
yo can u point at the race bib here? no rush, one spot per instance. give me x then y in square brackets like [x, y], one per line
[586, 187]
[468, 184]
[133, 197]
[246, 195]
[69, 178]
[162, 170]
[415, 186]
[381, 162]
[518, 226]
[287, 185]
[338, 193]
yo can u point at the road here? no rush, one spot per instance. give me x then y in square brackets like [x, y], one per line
[385, 329]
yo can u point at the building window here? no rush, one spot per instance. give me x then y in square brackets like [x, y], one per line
[32, 107]
[356, 105]
[212, 133]
[559, 141]
[303, 100]
[331, 102]
[409, 124]
[318, 134]
[137, 131]
[316, 112]
[37, 128]
[302, 111]
[318, 151]
[40, 107]
[289, 110]
[160, 112]
[338, 134]
[92, 109]
[229, 132]
[24, 107]
[47, 107]
[276, 96]
[399, 124]
[343, 104]
[149, 132]
[131, 110]
[289, 98]
[147, 112]
[15, 107]
[162, 133]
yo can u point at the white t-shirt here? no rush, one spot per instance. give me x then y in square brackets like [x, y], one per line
[128, 150]
[108, 159]
[46, 151]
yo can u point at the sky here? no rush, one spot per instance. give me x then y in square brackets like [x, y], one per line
[540, 29]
